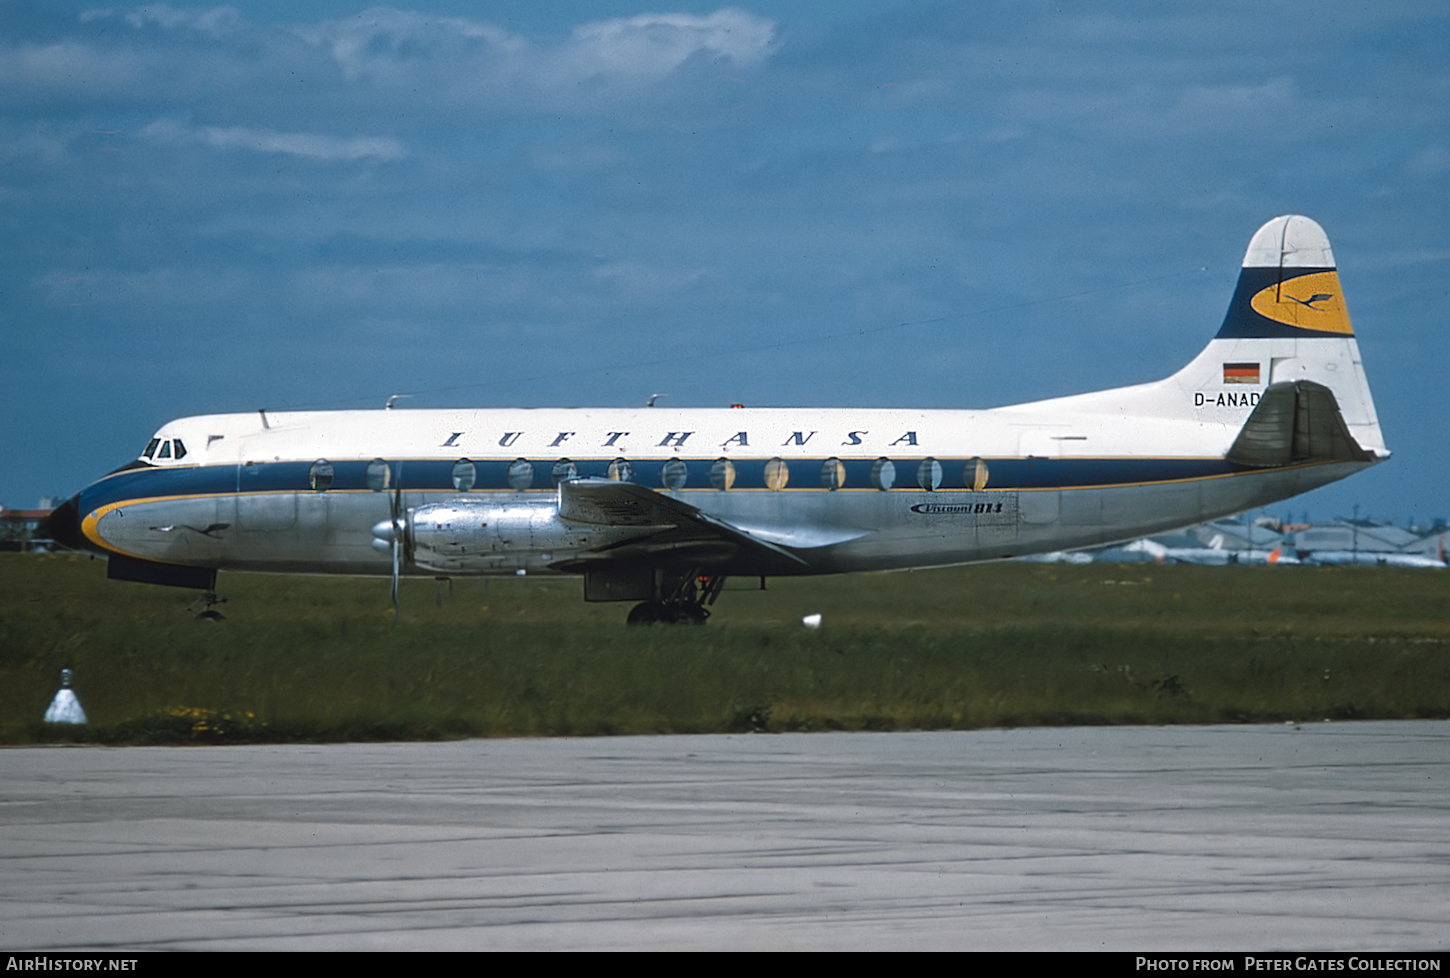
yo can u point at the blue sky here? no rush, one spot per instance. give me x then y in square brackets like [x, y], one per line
[267, 205]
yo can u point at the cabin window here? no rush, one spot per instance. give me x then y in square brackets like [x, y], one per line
[722, 474]
[975, 474]
[883, 474]
[165, 450]
[563, 471]
[319, 477]
[379, 475]
[674, 474]
[928, 474]
[777, 474]
[833, 474]
[620, 470]
[521, 474]
[464, 475]
[151, 448]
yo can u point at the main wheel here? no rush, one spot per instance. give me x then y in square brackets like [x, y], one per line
[647, 613]
[688, 613]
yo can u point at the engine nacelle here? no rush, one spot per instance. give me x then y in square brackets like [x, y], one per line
[478, 535]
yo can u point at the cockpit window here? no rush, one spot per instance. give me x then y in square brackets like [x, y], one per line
[165, 450]
[151, 448]
[180, 448]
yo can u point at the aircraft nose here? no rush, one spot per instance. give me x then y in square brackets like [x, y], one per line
[63, 525]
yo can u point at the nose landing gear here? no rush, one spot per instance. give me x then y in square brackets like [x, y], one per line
[207, 601]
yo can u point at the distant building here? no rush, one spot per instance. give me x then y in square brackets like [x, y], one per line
[1354, 535]
[23, 530]
[1268, 541]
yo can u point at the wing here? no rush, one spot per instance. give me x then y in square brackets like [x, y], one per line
[684, 530]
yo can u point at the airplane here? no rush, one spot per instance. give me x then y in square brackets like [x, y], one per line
[659, 506]
[1367, 544]
[1369, 558]
[1219, 556]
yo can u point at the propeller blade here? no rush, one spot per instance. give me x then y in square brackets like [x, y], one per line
[399, 528]
[396, 545]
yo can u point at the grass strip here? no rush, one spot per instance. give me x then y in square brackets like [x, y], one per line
[317, 659]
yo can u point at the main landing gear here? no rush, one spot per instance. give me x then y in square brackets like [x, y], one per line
[686, 604]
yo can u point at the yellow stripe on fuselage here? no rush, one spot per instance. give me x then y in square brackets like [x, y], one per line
[88, 525]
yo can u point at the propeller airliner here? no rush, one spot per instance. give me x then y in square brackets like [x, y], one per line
[659, 506]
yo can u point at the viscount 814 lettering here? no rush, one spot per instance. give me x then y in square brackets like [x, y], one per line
[954, 509]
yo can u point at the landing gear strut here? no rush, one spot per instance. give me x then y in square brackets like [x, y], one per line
[686, 604]
[207, 600]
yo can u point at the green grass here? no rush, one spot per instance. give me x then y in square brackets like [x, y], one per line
[997, 645]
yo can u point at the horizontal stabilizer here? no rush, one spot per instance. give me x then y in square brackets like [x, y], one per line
[1296, 422]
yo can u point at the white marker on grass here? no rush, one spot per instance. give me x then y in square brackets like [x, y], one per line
[65, 708]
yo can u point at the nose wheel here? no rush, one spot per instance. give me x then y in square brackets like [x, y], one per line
[207, 602]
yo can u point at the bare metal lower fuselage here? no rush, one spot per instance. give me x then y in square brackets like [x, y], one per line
[312, 532]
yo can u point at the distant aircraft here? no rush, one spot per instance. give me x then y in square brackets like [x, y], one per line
[1213, 556]
[1368, 558]
[1366, 543]
[660, 505]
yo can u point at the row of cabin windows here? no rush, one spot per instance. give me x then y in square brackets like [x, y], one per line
[674, 474]
[158, 449]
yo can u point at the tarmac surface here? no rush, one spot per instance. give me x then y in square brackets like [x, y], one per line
[1314, 837]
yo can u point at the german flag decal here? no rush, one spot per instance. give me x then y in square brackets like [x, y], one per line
[1241, 373]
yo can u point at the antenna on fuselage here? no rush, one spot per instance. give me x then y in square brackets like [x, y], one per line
[263, 413]
[652, 398]
[389, 406]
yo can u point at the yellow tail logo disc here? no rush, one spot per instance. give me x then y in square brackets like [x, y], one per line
[1310, 301]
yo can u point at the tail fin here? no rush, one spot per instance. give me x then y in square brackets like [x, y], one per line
[1287, 338]
[1286, 343]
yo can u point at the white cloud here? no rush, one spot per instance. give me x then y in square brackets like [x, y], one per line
[1275, 103]
[652, 46]
[383, 44]
[45, 143]
[310, 145]
[154, 288]
[382, 60]
[313, 146]
[62, 65]
[647, 280]
[1430, 163]
[214, 22]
